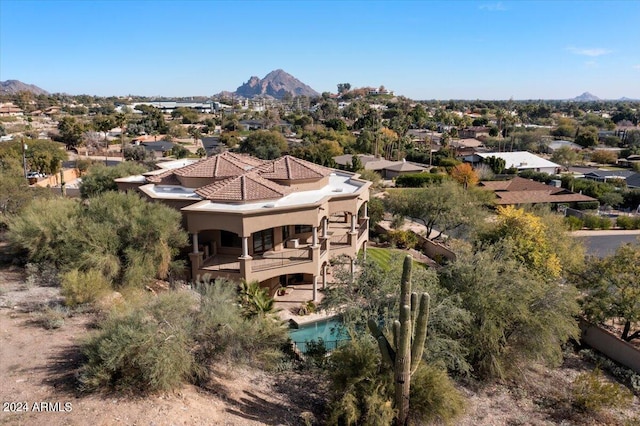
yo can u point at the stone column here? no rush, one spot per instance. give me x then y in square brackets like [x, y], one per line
[324, 276]
[353, 222]
[366, 209]
[194, 241]
[325, 227]
[315, 288]
[364, 250]
[245, 247]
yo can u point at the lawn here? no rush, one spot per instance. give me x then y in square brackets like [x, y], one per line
[385, 256]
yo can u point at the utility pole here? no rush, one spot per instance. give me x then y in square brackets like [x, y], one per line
[24, 157]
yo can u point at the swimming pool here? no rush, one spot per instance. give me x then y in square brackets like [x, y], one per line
[331, 331]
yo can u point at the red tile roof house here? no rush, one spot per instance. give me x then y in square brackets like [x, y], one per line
[278, 222]
[519, 191]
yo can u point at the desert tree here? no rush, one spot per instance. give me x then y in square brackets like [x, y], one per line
[444, 208]
[516, 317]
[611, 289]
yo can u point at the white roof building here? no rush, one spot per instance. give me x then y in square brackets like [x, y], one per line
[521, 160]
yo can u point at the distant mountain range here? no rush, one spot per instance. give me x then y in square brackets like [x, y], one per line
[11, 87]
[586, 97]
[589, 97]
[275, 84]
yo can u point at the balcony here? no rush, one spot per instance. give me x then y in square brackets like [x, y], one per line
[225, 264]
[280, 259]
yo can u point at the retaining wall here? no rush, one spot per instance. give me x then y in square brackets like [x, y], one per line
[610, 345]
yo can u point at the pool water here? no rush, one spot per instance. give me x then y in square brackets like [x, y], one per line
[331, 331]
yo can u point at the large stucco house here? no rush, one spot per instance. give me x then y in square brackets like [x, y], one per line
[278, 222]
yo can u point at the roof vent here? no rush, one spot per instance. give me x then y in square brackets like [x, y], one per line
[337, 189]
[269, 206]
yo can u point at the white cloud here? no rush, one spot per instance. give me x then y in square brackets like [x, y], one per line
[493, 7]
[588, 52]
[636, 67]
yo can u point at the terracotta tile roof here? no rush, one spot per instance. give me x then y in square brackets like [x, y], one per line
[247, 187]
[221, 166]
[518, 184]
[292, 168]
[496, 185]
[532, 197]
[525, 191]
[165, 178]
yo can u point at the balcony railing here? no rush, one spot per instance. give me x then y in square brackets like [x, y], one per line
[222, 262]
[278, 260]
[363, 225]
[339, 240]
[323, 247]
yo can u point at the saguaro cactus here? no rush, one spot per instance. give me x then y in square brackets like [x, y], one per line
[409, 336]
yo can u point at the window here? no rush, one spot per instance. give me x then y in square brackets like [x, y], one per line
[262, 240]
[230, 239]
[303, 229]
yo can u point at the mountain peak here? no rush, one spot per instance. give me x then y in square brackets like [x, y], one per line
[276, 84]
[586, 96]
[16, 86]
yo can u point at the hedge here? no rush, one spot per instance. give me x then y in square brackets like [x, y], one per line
[418, 180]
[628, 222]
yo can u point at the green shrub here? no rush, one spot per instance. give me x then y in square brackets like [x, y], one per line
[100, 178]
[84, 287]
[42, 275]
[537, 176]
[225, 332]
[447, 162]
[307, 308]
[587, 205]
[255, 299]
[362, 389]
[176, 337]
[434, 397]
[592, 221]
[360, 392]
[403, 239]
[623, 374]
[418, 180]
[605, 223]
[316, 352]
[126, 238]
[591, 394]
[628, 222]
[148, 349]
[51, 318]
[574, 223]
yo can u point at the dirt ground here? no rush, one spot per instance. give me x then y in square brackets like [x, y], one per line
[38, 369]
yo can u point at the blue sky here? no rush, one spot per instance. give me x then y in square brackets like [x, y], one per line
[419, 49]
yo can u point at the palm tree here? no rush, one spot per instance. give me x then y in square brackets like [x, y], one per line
[121, 121]
[195, 133]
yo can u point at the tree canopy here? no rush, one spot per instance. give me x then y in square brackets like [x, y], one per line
[119, 234]
[42, 155]
[444, 208]
[516, 316]
[611, 289]
[100, 178]
[374, 294]
[264, 144]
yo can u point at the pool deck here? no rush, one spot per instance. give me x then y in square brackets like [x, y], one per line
[300, 294]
